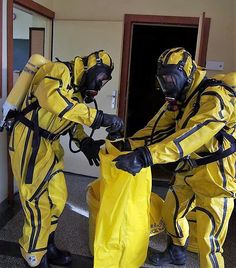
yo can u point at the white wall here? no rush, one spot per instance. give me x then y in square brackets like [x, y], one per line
[46, 3]
[3, 138]
[222, 13]
[82, 38]
[113, 10]
[21, 24]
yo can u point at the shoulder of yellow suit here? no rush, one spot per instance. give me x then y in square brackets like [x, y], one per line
[228, 78]
[54, 69]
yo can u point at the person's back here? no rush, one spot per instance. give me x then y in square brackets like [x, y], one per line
[54, 105]
[55, 101]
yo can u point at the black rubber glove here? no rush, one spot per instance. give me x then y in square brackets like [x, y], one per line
[122, 145]
[133, 162]
[91, 148]
[113, 123]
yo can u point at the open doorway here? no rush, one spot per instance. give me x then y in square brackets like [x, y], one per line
[149, 41]
[145, 38]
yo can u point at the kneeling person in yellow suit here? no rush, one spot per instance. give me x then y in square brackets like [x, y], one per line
[54, 105]
[196, 126]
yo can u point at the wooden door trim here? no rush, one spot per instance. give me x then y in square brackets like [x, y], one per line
[129, 21]
[33, 6]
[204, 41]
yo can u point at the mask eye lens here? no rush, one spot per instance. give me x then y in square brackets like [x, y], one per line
[169, 80]
[167, 83]
[102, 79]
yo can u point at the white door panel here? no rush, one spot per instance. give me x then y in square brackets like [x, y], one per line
[72, 38]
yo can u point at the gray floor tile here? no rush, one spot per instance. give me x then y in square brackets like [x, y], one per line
[72, 231]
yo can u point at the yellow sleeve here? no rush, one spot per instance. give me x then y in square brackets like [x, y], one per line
[54, 95]
[158, 128]
[214, 112]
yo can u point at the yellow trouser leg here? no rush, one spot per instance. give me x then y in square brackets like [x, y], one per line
[177, 203]
[42, 215]
[57, 191]
[192, 221]
[213, 216]
[36, 228]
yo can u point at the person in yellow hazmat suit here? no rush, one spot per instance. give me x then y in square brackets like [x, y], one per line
[196, 126]
[55, 104]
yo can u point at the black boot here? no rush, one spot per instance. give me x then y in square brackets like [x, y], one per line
[56, 256]
[172, 255]
[43, 264]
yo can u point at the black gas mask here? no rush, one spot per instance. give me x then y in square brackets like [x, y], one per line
[96, 78]
[97, 69]
[175, 74]
[172, 80]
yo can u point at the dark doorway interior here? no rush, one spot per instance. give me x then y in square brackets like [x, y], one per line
[148, 42]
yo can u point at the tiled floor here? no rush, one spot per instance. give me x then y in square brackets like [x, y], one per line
[72, 233]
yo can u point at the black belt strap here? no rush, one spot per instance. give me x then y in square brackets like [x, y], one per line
[30, 107]
[35, 147]
[220, 154]
[211, 158]
[41, 132]
[38, 133]
[32, 125]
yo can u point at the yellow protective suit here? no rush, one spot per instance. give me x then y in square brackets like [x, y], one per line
[123, 213]
[37, 162]
[213, 185]
[93, 201]
[122, 222]
[229, 79]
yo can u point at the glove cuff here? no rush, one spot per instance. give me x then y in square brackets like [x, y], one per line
[147, 157]
[98, 120]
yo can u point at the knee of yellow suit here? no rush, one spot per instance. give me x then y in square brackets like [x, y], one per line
[166, 213]
[59, 203]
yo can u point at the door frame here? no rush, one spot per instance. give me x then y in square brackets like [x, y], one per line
[129, 21]
[41, 10]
